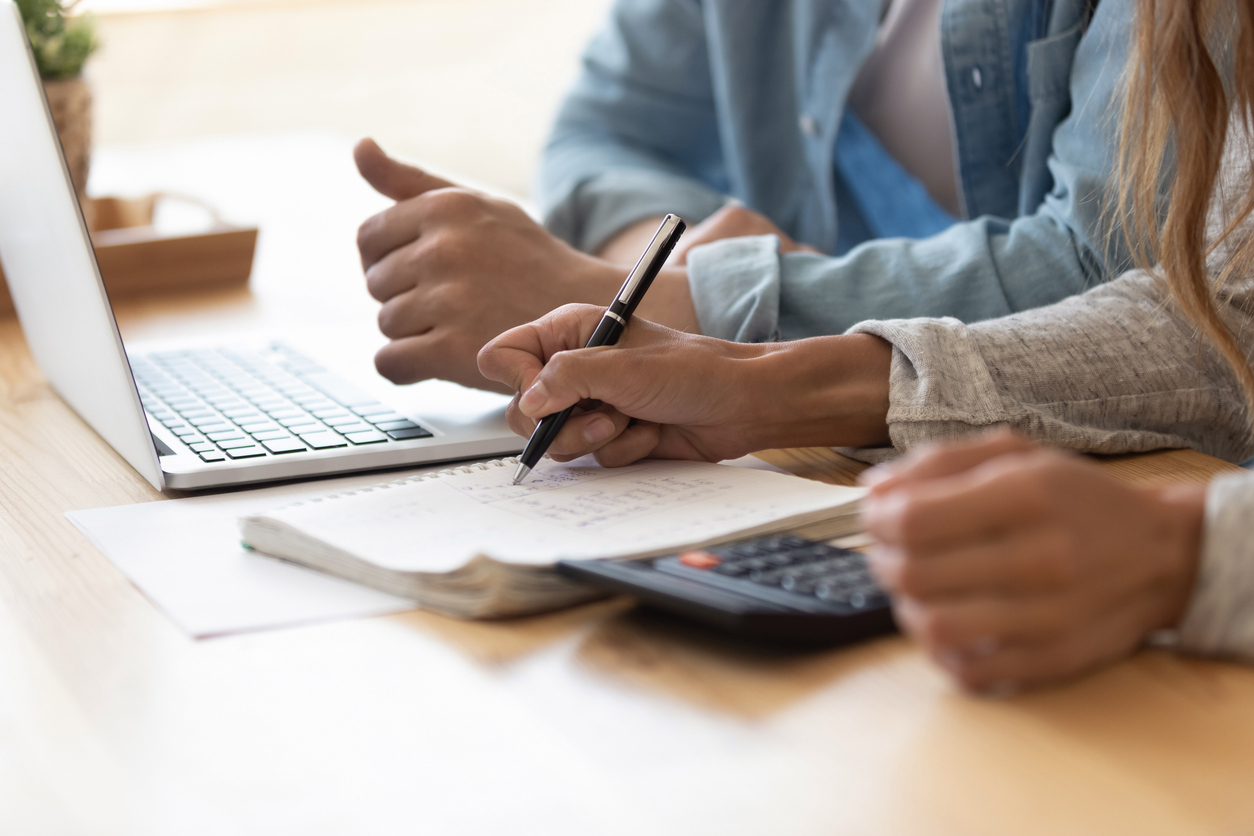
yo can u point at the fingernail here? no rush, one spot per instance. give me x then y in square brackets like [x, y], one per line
[534, 399]
[873, 476]
[598, 429]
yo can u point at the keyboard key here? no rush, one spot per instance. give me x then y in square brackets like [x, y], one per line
[343, 420]
[386, 418]
[324, 440]
[284, 445]
[357, 426]
[330, 412]
[202, 446]
[207, 421]
[305, 429]
[271, 435]
[388, 426]
[235, 443]
[414, 432]
[213, 456]
[220, 427]
[187, 432]
[178, 426]
[367, 437]
[260, 426]
[285, 412]
[373, 409]
[225, 435]
[298, 420]
[245, 452]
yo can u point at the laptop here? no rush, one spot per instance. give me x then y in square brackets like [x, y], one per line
[191, 417]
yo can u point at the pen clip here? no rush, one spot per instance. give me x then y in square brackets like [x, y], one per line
[664, 235]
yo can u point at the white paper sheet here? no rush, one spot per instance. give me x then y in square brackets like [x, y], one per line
[185, 556]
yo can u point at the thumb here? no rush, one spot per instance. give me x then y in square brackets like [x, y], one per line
[391, 178]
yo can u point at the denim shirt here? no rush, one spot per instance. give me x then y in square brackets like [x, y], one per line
[685, 103]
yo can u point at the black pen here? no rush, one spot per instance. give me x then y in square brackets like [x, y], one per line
[608, 330]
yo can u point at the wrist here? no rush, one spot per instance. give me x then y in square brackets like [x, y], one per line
[824, 391]
[668, 302]
[1183, 511]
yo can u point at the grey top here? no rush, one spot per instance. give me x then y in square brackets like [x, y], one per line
[1118, 369]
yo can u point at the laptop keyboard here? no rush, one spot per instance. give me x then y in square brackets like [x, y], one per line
[228, 404]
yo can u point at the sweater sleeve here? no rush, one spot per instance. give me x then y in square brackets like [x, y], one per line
[1116, 370]
[1220, 618]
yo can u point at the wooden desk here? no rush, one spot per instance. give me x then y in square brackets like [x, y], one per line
[597, 720]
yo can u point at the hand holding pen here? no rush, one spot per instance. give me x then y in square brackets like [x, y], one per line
[613, 321]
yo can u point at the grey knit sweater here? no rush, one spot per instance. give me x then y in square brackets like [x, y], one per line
[1118, 369]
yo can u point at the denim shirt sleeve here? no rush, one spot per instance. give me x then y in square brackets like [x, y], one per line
[637, 136]
[976, 270]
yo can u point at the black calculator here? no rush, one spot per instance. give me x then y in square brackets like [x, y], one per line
[781, 587]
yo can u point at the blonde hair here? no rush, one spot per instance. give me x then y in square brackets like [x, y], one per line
[1175, 123]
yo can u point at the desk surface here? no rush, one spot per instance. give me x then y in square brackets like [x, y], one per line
[595, 720]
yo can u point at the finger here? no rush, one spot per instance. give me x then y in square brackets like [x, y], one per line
[409, 221]
[1008, 670]
[407, 315]
[575, 375]
[638, 441]
[519, 424]
[972, 506]
[1024, 562]
[587, 432]
[391, 273]
[442, 353]
[392, 178]
[935, 460]
[516, 357]
[977, 626]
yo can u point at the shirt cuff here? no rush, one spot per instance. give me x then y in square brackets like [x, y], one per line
[601, 207]
[1220, 617]
[939, 388]
[735, 288]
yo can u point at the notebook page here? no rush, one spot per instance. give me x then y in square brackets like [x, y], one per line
[561, 511]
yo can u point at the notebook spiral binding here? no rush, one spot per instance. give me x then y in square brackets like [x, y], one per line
[477, 467]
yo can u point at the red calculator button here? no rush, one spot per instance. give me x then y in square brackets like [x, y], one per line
[700, 559]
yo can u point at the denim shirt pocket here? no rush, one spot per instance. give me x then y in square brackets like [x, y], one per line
[1049, 64]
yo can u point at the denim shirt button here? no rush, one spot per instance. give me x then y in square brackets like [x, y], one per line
[977, 78]
[809, 127]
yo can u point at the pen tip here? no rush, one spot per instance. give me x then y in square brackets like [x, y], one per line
[521, 473]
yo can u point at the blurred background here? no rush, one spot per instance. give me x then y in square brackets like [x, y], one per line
[467, 85]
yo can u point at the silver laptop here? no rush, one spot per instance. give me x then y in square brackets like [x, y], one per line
[187, 417]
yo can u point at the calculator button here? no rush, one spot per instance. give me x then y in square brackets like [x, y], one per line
[732, 569]
[799, 585]
[700, 559]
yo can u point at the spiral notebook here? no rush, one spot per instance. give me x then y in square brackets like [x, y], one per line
[470, 543]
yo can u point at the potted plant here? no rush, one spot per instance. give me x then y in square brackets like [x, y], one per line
[62, 43]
